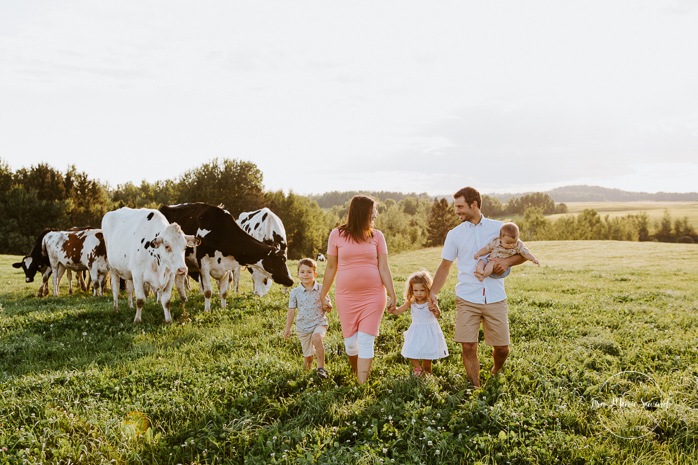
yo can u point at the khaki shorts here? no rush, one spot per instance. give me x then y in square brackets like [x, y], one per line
[307, 340]
[494, 318]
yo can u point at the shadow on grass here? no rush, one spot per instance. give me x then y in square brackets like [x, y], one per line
[77, 331]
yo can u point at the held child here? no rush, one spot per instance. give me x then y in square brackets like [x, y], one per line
[311, 323]
[504, 246]
[424, 340]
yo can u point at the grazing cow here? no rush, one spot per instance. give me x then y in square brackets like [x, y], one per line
[78, 250]
[224, 245]
[320, 257]
[147, 251]
[266, 227]
[37, 261]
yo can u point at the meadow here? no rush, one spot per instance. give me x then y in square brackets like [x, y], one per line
[655, 210]
[603, 369]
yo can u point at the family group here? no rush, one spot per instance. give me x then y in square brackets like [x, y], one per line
[357, 257]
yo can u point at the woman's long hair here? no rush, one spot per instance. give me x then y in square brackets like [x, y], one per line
[358, 225]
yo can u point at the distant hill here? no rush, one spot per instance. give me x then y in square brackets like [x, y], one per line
[604, 194]
[582, 193]
[330, 199]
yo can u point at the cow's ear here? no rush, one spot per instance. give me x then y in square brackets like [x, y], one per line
[155, 243]
[17, 265]
[192, 241]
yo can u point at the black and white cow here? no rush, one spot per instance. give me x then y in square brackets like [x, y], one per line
[78, 250]
[224, 245]
[265, 226]
[147, 251]
[37, 261]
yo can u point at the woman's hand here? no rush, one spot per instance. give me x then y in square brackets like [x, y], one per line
[391, 304]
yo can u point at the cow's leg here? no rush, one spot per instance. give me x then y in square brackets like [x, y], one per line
[205, 283]
[236, 278]
[166, 300]
[43, 289]
[96, 288]
[80, 279]
[115, 289]
[139, 286]
[129, 292]
[223, 286]
[57, 278]
[180, 281]
[70, 280]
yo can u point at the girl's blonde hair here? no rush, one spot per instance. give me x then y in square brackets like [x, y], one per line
[418, 277]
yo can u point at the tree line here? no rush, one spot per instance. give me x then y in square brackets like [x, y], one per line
[39, 197]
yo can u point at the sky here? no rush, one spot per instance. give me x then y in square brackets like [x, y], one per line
[397, 95]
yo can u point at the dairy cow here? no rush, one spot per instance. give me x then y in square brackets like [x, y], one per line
[147, 251]
[265, 226]
[77, 250]
[224, 245]
[37, 261]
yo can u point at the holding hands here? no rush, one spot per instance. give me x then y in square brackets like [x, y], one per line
[392, 305]
[327, 304]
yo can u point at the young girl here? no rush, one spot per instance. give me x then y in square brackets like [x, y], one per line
[424, 340]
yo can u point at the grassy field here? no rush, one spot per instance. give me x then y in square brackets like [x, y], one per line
[603, 369]
[655, 210]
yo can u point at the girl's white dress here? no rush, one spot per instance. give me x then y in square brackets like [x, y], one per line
[424, 339]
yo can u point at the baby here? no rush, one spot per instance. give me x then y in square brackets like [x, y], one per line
[504, 246]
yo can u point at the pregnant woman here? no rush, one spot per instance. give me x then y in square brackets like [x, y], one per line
[358, 256]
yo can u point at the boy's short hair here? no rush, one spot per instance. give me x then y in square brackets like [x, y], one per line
[307, 262]
[509, 229]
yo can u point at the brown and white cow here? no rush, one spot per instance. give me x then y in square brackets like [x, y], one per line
[77, 250]
[265, 226]
[147, 251]
[223, 245]
[37, 261]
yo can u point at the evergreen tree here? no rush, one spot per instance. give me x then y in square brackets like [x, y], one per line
[442, 219]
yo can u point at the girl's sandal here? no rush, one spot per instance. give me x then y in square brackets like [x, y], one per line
[417, 372]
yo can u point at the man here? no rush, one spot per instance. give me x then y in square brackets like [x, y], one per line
[476, 302]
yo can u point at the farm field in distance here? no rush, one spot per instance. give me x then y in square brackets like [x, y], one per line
[603, 369]
[655, 210]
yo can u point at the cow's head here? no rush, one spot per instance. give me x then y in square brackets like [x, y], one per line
[169, 247]
[261, 280]
[30, 267]
[275, 264]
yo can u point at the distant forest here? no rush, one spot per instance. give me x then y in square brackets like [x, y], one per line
[39, 197]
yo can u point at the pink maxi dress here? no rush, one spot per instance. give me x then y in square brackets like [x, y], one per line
[359, 293]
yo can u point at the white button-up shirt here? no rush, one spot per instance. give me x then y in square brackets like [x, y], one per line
[462, 243]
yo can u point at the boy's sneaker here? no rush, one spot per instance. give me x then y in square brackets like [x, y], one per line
[322, 373]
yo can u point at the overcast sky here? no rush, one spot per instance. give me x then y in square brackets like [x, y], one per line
[506, 95]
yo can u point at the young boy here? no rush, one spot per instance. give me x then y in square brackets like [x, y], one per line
[311, 323]
[504, 246]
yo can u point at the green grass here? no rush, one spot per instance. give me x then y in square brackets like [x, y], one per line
[655, 210]
[79, 383]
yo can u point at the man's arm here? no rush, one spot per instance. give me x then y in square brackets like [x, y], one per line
[503, 264]
[440, 278]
